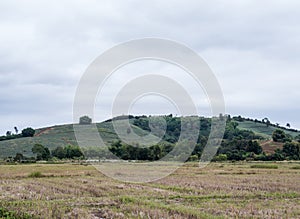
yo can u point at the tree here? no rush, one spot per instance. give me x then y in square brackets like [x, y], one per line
[8, 133]
[288, 125]
[16, 129]
[42, 153]
[239, 118]
[280, 136]
[19, 157]
[59, 152]
[117, 149]
[297, 138]
[266, 121]
[85, 120]
[278, 155]
[28, 132]
[156, 152]
[235, 155]
[253, 146]
[291, 150]
[234, 124]
[73, 152]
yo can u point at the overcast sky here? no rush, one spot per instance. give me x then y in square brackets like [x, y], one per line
[253, 47]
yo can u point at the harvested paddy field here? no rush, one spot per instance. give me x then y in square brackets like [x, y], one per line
[220, 190]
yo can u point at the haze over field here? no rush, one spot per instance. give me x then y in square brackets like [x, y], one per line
[252, 47]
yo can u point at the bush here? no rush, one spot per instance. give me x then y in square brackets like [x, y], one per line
[220, 157]
[193, 158]
[265, 166]
[36, 174]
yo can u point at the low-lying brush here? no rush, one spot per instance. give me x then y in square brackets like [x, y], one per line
[36, 174]
[11, 215]
[265, 166]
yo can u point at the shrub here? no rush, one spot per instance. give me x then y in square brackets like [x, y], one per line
[193, 158]
[220, 157]
[36, 174]
[265, 166]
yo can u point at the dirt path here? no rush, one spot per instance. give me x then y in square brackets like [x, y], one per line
[42, 132]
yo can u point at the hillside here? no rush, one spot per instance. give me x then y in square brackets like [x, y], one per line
[62, 135]
[262, 129]
[269, 146]
[52, 137]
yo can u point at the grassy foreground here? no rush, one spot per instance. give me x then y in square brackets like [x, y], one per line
[220, 190]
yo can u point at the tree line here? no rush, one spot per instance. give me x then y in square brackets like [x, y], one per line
[27, 132]
[236, 144]
[43, 153]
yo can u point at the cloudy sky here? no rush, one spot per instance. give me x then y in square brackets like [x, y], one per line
[253, 47]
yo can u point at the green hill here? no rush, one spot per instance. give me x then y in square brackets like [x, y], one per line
[62, 135]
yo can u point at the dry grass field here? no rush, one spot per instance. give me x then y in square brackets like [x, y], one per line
[221, 190]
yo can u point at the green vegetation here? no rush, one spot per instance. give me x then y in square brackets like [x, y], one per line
[238, 143]
[264, 166]
[5, 214]
[280, 136]
[42, 153]
[36, 174]
[291, 150]
[85, 120]
[262, 129]
[68, 152]
[28, 132]
[223, 189]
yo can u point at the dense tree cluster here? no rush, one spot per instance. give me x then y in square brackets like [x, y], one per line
[237, 144]
[68, 152]
[130, 152]
[43, 153]
[280, 136]
[28, 132]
